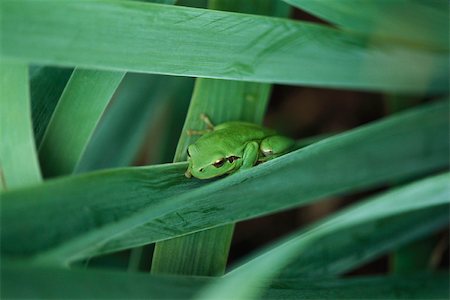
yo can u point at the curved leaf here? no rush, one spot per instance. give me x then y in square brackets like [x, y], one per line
[152, 38]
[103, 219]
[18, 158]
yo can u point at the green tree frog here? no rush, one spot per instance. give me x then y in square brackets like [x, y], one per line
[231, 146]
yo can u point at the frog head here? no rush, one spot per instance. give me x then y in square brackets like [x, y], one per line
[209, 162]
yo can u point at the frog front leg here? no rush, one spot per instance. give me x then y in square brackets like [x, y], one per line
[250, 156]
[209, 126]
[274, 146]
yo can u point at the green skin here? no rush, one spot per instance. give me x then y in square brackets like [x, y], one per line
[232, 146]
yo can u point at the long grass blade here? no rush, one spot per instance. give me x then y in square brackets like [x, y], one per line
[120, 202]
[429, 194]
[124, 126]
[75, 117]
[46, 87]
[410, 286]
[419, 22]
[19, 166]
[133, 36]
[51, 283]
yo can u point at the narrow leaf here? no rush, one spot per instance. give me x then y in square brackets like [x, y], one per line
[74, 119]
[46, 87]
[417, 22]
[125, 124]
[19, 282]
[145, 37]
[18, 160]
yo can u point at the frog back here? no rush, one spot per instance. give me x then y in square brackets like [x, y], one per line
[231, 136]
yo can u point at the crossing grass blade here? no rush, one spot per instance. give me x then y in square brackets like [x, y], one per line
[51, 283]
[134, 36]
[46, 87]
[122, 211]
[430, 195]
[85, 97]
[418, 22]
[19, 166]
[411, 286]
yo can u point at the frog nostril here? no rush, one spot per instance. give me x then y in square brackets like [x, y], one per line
[201, 170]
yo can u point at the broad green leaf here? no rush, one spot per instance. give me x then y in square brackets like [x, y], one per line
[153, 38]
[431, 194]
[73, 122]
[18, 159]
[46, 87]
[363, 158]
[49, 283]
[125, 124]
[423, 23]
[25, 282]
[92, 200]
[108, 217]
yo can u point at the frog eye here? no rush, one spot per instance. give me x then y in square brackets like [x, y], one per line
[232, 158]
[219, 163]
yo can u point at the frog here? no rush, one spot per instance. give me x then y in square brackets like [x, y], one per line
[232, 146]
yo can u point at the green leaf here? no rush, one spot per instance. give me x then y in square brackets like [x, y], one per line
[125, 124]
[18, 160]
[19, 282]
[109, 218]
[46, 87]
[417, 22]
[152, 38]
[24, 282]
[77, 113]
[411, 286]
[429, 195]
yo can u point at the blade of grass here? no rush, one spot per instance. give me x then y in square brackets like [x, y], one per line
[349, 248]
[344, 165]
[127, 35]
[416, 256]
[123, 128]
[78, 285]
[19, 166]
[77, 113]
[109, 218]
[206, 252]
[417, 22]
[411, 286]
[50, 283]
[46, 87]
[428, 194]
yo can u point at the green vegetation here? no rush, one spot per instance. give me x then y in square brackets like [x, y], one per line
[96, 98]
